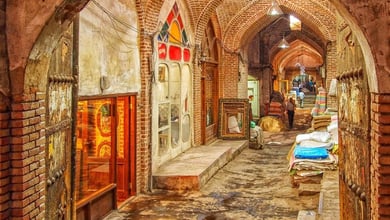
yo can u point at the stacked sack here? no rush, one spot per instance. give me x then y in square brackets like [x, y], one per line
[276, 109]
[333, 131]
[320, 122]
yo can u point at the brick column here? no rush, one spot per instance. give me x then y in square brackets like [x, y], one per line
[4, 160]
[197, 105]
[143, 151]
[380, 154]
[331, 73]
[27, 156]
[228, 76]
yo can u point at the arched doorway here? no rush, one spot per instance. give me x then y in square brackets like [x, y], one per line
[51, 78]
[208, 63]
[171, 89]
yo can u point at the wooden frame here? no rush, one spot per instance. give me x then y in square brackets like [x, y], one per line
[233, 119]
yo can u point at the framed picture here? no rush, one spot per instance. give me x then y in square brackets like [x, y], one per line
[233, 119]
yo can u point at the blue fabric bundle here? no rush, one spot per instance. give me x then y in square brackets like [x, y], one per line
[310, 153]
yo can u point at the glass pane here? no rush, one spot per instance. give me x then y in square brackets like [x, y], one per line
[174, 95]
[186, 128]
[94, 146]
[163, 115]
[163, 142]
[209, 113]
[186, 103]
[175, 109]
[209, 96]
[162, 85]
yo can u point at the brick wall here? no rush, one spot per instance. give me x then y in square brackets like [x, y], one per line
[380, 151]
[197, 107]
[144, 107]
[229, 75]
[4, 119]
[331, 73]
[4, 161]
[143, 151]
[27, 156]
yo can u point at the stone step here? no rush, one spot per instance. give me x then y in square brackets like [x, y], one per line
[193, 168]
[308, 102]
[329, 204]
[307, 189]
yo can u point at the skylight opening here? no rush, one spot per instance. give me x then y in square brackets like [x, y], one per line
[295, 23]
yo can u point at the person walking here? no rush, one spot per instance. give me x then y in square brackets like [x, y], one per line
[290, 111]
[301, 97]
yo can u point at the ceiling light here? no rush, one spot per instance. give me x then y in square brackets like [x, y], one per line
[283, 44]
[274, 9]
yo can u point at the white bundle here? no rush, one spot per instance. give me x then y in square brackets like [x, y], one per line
[316, 144]
[320, 136]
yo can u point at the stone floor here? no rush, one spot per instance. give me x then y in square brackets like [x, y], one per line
[253, 185]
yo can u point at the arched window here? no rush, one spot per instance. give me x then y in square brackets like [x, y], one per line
[172, 40]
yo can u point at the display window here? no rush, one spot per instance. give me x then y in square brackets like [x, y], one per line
[172, 90]
[105, 146]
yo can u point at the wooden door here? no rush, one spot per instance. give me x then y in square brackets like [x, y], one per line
[209, 86]
[58, 131]
[125, 149]
[354, 129]
[122, 149]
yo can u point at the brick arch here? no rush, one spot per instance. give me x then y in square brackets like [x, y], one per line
[238, 32]
[27, 54]
[297, 48]
[148, 14]
[204, 16]
[217, 28]
[275, 50]
[368, 43]
[150, 11]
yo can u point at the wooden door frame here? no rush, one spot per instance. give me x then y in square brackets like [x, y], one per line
[205, 67]
[129, 145]
[133, 142]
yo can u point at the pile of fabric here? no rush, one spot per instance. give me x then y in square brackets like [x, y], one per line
[272, 124]
[311, 155]
[320, 104]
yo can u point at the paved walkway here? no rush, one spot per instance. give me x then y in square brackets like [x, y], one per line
[254, 185]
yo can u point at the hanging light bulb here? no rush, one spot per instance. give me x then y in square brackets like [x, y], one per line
[274, 9]
[283, 44]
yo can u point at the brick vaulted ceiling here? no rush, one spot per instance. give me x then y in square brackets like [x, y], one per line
[239, 21]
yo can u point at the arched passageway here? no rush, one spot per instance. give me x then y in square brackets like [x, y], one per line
[339, 48]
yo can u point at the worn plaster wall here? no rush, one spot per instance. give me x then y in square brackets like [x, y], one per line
[109, 52]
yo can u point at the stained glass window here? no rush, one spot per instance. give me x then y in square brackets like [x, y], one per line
[173, 39]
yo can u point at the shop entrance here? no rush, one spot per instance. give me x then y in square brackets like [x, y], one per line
[209, 102]
[105, 151]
